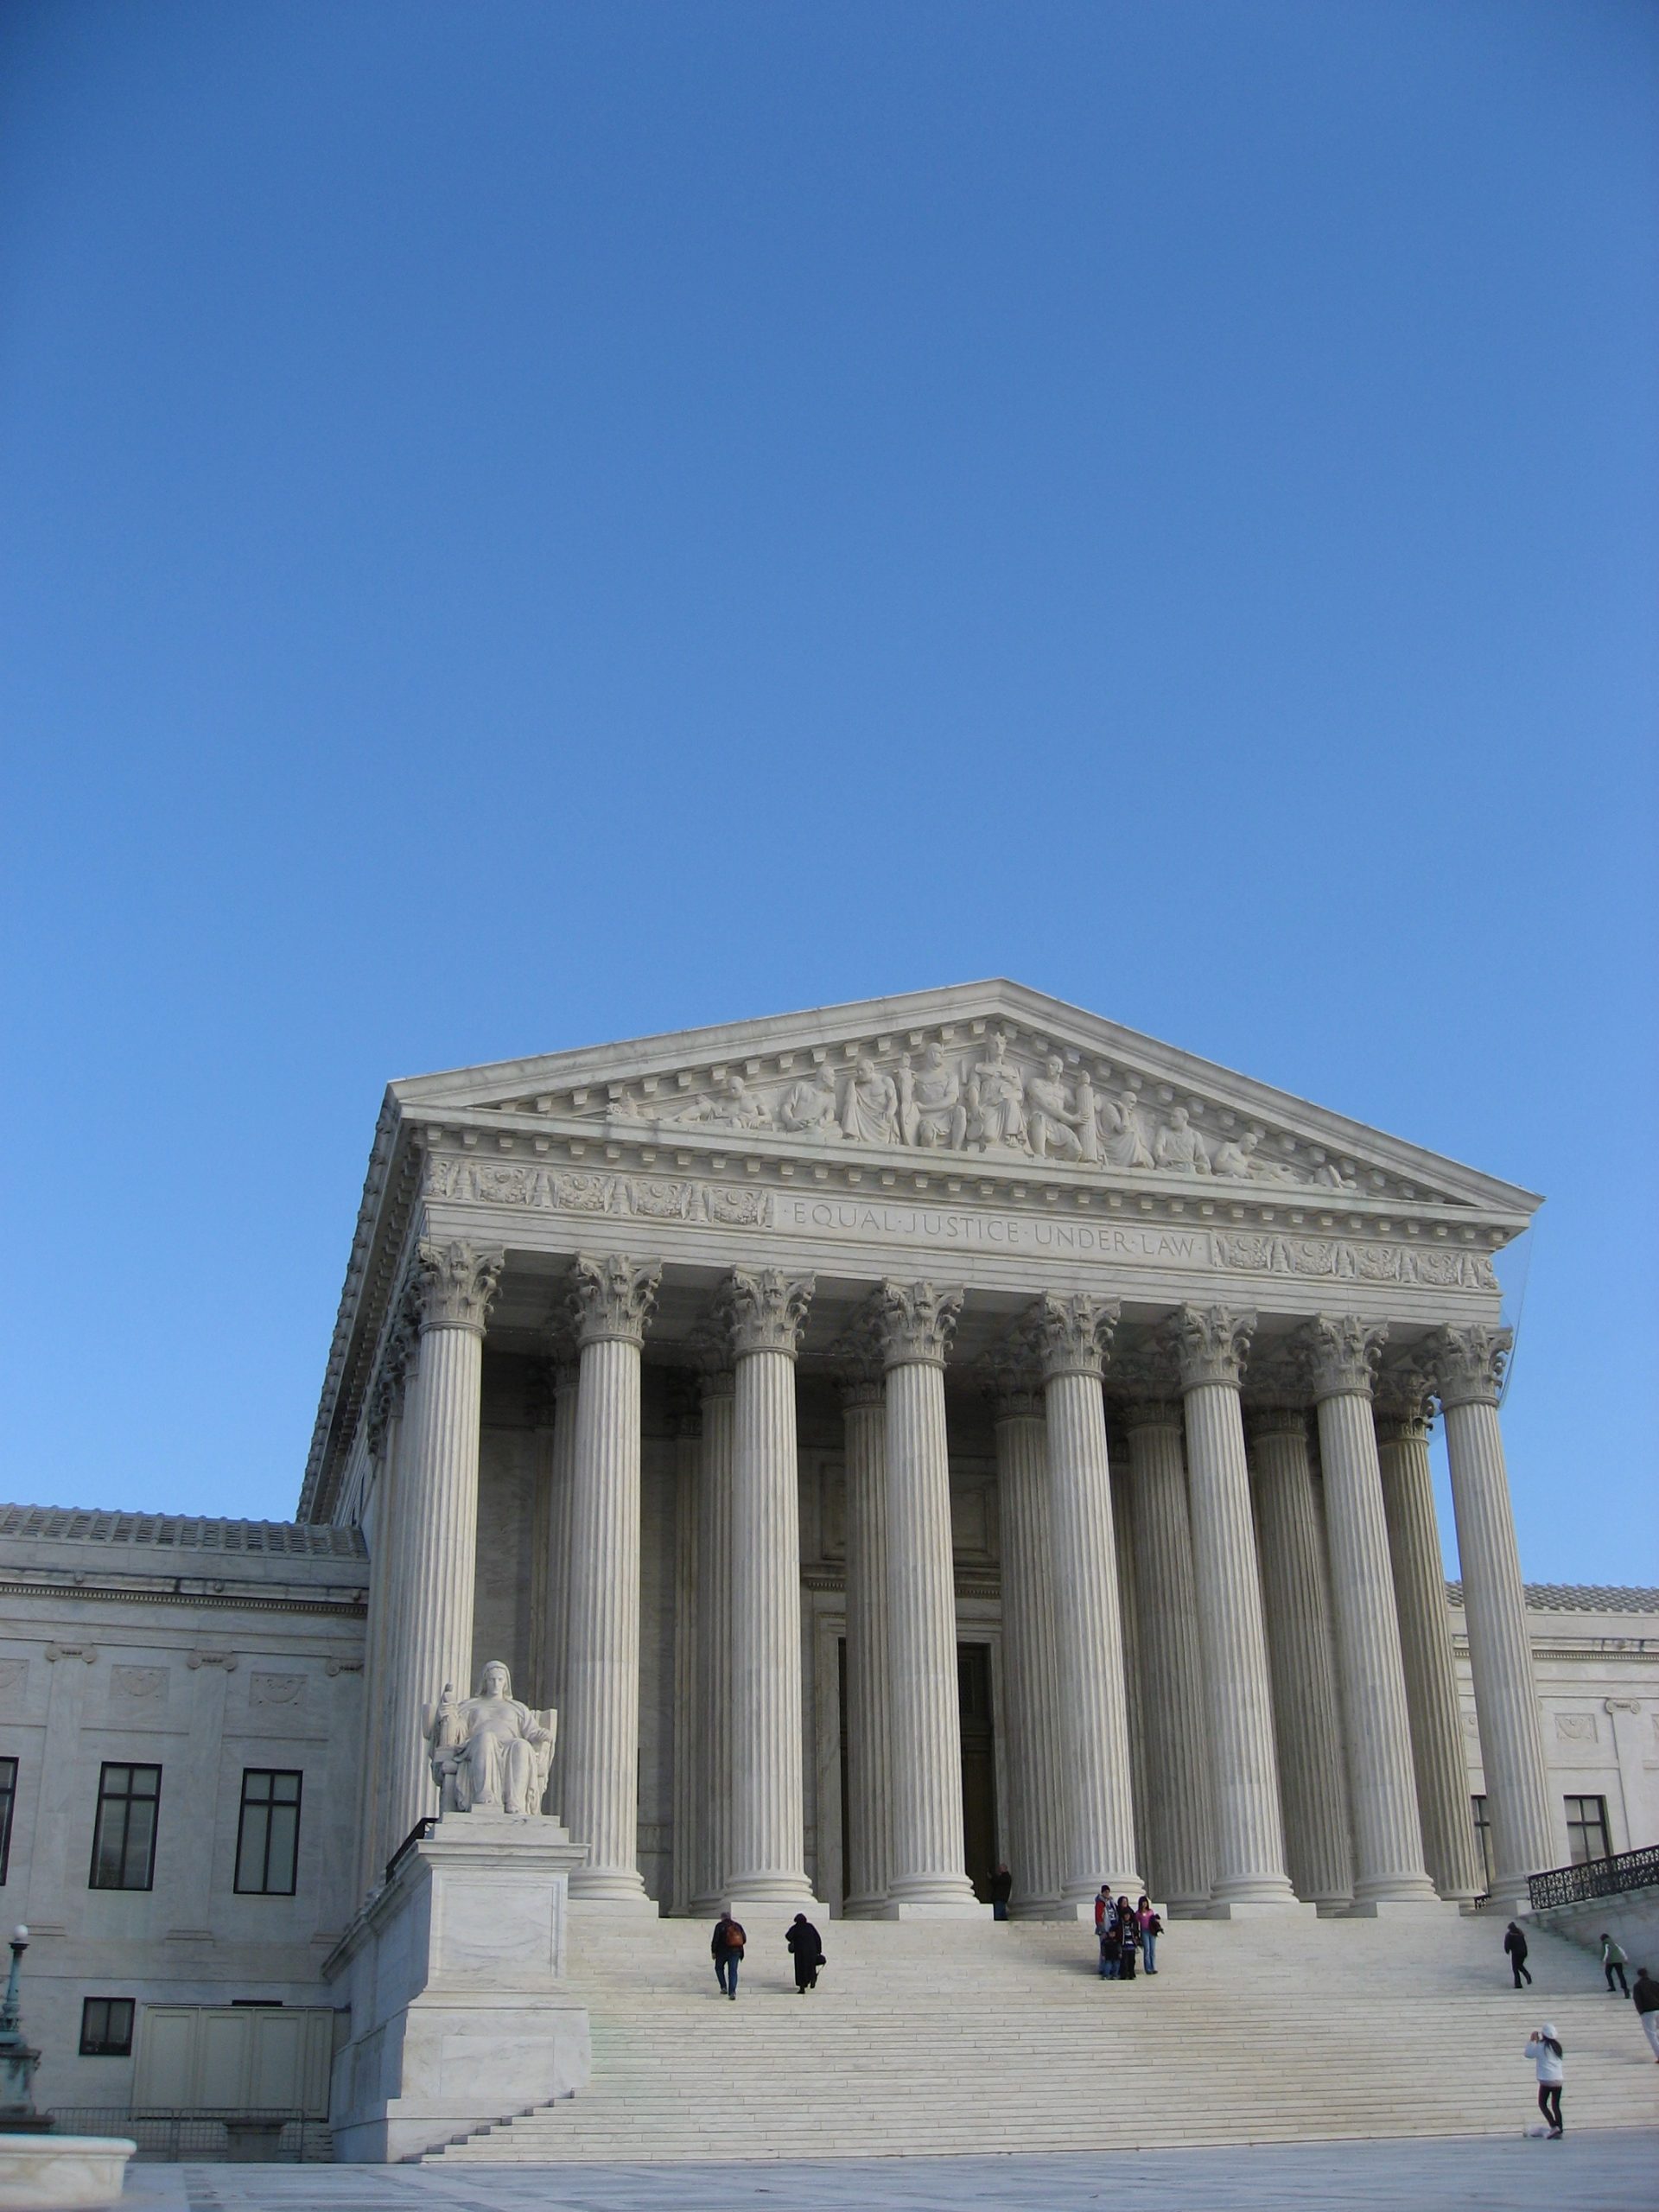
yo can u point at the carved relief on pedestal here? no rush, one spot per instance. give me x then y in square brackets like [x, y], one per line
[489, 1753]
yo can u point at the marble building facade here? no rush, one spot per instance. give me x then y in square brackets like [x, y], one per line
[894, 1439]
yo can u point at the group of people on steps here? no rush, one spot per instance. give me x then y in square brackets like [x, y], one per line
[1127, 1934]
[729, 1941]
[1544, 2046]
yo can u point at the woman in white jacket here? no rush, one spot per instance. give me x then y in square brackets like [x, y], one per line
[1544, 2048]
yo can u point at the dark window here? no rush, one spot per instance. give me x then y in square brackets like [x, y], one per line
[1483, 1835]
[106, 2027]
[124, 1843]
[268, 1838]
[7, 1799]
[1586, 1829]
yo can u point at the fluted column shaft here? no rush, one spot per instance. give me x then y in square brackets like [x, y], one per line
[767, 1834]
[928, 1865]
[864, 1882]
[1088, 1628]
[1035, 1820]
[688, 1802]
[1129, 1612]
[713, 1629]
[438, 1505]
[365, 1871]
[1249, 1864]
[1469, 1365]
[560, 1475]
[1370, 1673]
[612, 1299]
[1425, 1648]
[1177, 1819]
[1295, 1590]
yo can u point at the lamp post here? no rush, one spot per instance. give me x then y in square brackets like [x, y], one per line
[18, 2058]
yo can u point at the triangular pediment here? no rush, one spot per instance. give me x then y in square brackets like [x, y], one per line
[983, 1075]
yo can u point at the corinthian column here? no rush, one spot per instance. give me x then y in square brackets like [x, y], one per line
[451, 1287]
[714, 1627]
[612, 1299]
[927, 1873]
[383, 1691]
[1404, 1414]
[767, 1311]
[553, 1521]
[864, 1881]
[1305, 1705]
[1071, 1335]
[1178, 1819]
[1211, 1344]
[1036, 1812]
[1468, 1365]
[1388, 1868]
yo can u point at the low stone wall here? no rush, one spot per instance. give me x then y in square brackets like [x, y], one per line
[1629, 1916]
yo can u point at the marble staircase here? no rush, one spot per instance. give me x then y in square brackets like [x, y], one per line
[970, 2037]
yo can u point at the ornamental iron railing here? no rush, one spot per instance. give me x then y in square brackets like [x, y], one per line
[1596, 1877]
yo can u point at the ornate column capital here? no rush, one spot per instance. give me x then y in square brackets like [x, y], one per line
[397, 1364]
[1276, 1420]
[1211, 1344]
[1468, 1363]
[766, 1310]
[453, 1285]
[1150, 1413]
[612, 1297]
[1072, 1336]
[917, 1321]
[1341, 1350]
[1404, 1397]
[856, 1356]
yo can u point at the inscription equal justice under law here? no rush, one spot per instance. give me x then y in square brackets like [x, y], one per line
[969, 1229]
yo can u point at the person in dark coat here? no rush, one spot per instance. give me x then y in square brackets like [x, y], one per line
[1515, 1944]
[1001, 1890]
[1128, 1940]
[727, 1950]
[807, 1947]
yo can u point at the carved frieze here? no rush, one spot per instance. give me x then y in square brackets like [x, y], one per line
[1002, 1092]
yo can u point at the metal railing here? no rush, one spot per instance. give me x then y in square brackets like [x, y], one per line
[202, 2138]
[422, 1829]
[1596, 1877]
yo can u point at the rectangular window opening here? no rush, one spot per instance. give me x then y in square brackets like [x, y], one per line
[106, 2027]
[123, 1840]
[268, 1832]
[1586, 1830]
[1483, 1836]
[7, 1799]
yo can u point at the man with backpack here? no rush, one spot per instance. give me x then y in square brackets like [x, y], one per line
[1515, 1944]
[727, 1950]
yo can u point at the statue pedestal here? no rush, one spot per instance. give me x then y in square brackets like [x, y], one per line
[454, 1976]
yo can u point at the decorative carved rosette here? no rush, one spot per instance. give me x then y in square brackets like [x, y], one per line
[1072, 1336]
[455, 1284]
[1468, 1363]
[612, 1298]
[1404, 1397]
[1342, 1350]
[1211, 1344]
[766, 1310]
[917, 1322]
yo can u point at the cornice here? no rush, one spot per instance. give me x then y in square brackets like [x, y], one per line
[353, 1610]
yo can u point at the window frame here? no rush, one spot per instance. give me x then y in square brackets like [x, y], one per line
[8, 1808]
[105, 2048]
[1480, 1816]
[126, 1800]
[1579, 1827]
[268, 1805]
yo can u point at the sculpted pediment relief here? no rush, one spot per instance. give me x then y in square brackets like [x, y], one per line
[981, 1086]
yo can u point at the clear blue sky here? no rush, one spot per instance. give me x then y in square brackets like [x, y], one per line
[530, 525]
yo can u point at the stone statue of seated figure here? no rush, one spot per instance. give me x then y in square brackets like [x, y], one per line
[489, 1753]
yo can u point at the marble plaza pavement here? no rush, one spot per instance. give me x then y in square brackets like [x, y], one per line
[1602, 2171]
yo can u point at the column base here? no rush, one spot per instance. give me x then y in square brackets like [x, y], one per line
[863, 1909]
[1265, 1907]
[610, 1889]
[1035, 1909]
[774, 1911]
[1400, 1909]
[933, 1896]
[1331, 1908]
[905, 1909]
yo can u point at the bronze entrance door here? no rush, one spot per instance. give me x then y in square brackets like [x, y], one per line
[978, 1765]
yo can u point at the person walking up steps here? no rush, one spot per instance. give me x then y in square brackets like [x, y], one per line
[1515, 1944]
[1614, 1960]
[727, 1948]
[1544, 2048]
[807, 1947]
[1646, 1994]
